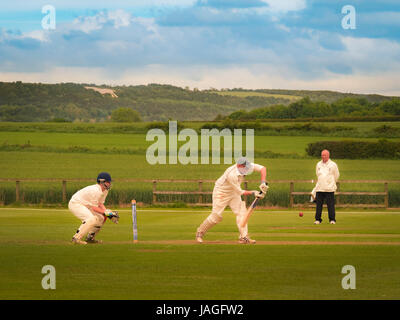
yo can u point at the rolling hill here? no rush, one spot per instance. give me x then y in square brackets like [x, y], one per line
[155, 102]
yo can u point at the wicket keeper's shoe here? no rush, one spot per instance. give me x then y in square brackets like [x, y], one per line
[90, 239]
[199, 237]
[77, 241]
[246, 240]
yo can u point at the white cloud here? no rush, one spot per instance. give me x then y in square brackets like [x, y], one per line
[89, 24]
[40, 35]
[283, 6]
[372, 56]
[119, 18]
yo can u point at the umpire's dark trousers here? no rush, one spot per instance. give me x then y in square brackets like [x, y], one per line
[329, 198]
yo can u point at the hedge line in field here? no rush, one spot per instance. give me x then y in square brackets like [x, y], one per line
[352, 149]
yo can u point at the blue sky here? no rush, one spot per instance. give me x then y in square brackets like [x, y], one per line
[286, 44]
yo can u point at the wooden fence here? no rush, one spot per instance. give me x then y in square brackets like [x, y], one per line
[201, 193]
[338, 193]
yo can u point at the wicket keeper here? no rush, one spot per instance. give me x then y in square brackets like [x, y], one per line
[227, 192]
[87, 205]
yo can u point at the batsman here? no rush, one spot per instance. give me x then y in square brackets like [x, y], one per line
[87, 205]
[227, 192]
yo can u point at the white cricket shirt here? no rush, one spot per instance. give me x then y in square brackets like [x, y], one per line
[328, 175]
[90, 196]
[230, 181]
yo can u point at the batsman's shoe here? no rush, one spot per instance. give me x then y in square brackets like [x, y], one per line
[77, 241]
[93, 241]
[332, 222]
[317, 222]
[199, 237]
[246, 240]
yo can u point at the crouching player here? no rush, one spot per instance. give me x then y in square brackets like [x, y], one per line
[87, 205]
[227, 192]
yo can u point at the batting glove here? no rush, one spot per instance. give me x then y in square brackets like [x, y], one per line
[259, 194]
[264, 187]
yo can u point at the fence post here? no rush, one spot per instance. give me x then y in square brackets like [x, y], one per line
[17, 198]
[200, 190]
[386, 195]
[64, 190]
[338, 196]
[154, 190]
[291, 194]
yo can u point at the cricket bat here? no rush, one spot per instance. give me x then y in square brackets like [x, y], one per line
[250, 211]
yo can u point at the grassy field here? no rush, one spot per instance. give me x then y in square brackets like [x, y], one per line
[293, 258]
[244, 94]
[42, 165]
[82, 154]
[96, 142]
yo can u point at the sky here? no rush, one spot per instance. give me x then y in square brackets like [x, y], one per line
[250, 44]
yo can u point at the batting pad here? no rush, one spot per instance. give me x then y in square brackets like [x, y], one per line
[243, 231]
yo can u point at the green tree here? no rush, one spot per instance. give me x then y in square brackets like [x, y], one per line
[125, 115]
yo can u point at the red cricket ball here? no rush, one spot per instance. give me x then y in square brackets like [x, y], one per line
[300, 214]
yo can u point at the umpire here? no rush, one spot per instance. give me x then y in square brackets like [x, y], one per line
[328, 174]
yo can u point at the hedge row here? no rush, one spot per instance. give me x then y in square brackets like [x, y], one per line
[258, 125]
[352, 149]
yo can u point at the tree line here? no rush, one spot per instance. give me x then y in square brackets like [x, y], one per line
[306, 108]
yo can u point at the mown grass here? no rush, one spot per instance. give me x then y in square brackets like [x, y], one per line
[118, 269]
[284, 146]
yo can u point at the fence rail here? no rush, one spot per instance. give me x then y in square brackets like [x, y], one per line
[201, 193]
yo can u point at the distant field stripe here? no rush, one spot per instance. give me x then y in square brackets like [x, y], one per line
[244, 94]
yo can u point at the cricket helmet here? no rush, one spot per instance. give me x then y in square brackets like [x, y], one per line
[103, 177]
[246, 167]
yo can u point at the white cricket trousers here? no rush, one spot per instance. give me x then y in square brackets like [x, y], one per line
[234, 201]
[91, 220]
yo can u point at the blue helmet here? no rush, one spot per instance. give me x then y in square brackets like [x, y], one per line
[103, 177]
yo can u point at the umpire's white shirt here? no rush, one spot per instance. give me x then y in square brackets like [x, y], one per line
[328, 175]
[91, 196]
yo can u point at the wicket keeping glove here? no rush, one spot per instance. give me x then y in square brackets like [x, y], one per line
[112, 215]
